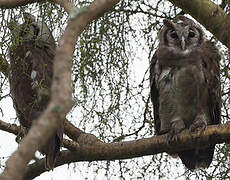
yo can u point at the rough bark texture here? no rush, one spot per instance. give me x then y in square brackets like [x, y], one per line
[14, 3]
[98, 151]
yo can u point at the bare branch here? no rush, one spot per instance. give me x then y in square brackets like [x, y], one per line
[71, 131]
[67, 5]
[11, 128]
[74, 132]
[16, 3]
[89, 148]
[98, 151]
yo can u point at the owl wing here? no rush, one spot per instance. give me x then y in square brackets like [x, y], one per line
[211, 69]
[42, 64]
[154, 93]
[202, 157]
[41, 57]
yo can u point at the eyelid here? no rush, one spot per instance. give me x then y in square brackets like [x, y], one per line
[173, 34]
[36, 29]
[191, 34]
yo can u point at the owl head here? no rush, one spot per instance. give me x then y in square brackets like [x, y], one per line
[30, 30]
[183, 35]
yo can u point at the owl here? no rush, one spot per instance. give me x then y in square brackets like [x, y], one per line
[31, 59]
[185, 86]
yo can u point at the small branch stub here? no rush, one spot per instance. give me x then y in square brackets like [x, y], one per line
[75, 12]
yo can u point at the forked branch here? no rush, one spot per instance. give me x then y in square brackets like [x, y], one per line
[61, 91]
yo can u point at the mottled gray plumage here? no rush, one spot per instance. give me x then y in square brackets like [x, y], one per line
[31, 59]
[185, 86]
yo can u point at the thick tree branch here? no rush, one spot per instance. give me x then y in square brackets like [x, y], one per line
[11, 128]
[211, 16]
[70, 130]
[130, 149]
[60, 92]
[89, 148]
[67, 5]
[16, 3]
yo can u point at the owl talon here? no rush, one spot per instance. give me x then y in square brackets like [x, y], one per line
[172, 137]
[177, 126]
[194, 127]
[199, 124]
[21, 134]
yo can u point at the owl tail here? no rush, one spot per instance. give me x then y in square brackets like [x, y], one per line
[197, 158]
[53, 147]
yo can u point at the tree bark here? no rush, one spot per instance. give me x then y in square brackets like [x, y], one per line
[16, 3]
[88, 148]
[99, 151]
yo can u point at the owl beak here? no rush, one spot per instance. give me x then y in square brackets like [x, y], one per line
[182, 43]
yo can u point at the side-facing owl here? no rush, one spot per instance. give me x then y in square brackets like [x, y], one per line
[31, 60]
[185, 86]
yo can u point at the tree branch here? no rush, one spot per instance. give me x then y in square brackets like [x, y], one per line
[71, 145]
[70, 130]
[99, 151]
[89, 148]
[67, 5]
[211, 16]
[15, 3]
[11, 128]
[61, 91]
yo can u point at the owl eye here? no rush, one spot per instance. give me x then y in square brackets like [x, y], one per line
[191, 34]
[36, 30]
[174, 35]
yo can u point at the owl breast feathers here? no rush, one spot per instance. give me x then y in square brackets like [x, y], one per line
[185, 86]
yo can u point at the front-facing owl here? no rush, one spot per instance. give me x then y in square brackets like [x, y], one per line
[185, 86]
